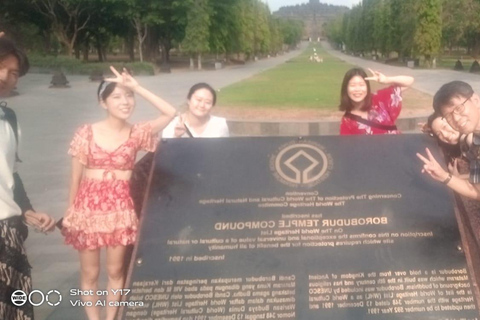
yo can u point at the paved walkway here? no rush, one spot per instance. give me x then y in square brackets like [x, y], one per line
[428, 81]
[48, 118]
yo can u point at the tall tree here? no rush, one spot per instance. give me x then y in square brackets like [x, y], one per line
[197, 31]
[428, 35]
[68, 18]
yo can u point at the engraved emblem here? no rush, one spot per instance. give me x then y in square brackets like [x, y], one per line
[301, 164]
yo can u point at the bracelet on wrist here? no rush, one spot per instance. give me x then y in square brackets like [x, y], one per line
[447, 180]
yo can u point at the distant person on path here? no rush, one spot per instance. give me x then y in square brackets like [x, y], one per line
[101, 212]
[15, 207]
[367, 113]
[197, 122]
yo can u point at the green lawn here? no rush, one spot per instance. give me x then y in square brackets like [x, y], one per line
[299, 83]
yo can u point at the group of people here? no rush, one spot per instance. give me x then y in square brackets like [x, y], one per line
[455, 123]
[100, 210]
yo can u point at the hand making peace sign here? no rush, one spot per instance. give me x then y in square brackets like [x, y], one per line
[377, 76]
[125, 79]
[432, 167]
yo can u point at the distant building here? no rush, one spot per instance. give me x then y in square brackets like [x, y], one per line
[314, 14]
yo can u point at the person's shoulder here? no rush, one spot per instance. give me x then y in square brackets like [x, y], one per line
[219, 120]
[84, 128]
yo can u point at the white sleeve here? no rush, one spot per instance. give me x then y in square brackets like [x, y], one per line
[224, 129]
[169, 130]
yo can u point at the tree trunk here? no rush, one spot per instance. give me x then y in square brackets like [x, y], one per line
[86, 49]
[77, 53]
[192, 64]
[151, 46]
[131, 46]
[70, 50]
[98, 45]
[166, 47]
[199, 61]
[47, 41]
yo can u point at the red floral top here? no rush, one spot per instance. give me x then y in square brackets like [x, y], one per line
[386, 107]
[93, 156]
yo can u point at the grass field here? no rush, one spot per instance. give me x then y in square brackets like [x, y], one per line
[299, 85]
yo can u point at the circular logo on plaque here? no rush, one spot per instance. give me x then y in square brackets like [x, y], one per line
[301, 164]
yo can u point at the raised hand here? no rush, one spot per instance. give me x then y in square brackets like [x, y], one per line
[432, 167]
[180, 128]
[125, 79]
[377, 76]
[2, 34]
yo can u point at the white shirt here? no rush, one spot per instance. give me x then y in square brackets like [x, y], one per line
[8, 146]
[215, 128]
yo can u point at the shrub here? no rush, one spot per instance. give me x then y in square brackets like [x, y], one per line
[74, 66]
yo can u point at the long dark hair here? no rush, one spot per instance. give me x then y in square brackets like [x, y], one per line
[450, 151]
[345, 101]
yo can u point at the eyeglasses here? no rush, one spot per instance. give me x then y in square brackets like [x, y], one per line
[458, 110]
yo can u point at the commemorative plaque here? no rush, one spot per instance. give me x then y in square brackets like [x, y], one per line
[298, 228]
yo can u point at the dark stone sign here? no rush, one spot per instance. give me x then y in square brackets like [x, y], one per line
[283, 228]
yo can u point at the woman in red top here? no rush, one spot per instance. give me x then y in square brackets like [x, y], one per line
[101, 213]
[367, 113]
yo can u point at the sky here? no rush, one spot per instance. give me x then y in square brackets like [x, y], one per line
[276, 4]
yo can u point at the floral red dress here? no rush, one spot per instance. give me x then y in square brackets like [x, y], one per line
[102, 213]
[386, 107]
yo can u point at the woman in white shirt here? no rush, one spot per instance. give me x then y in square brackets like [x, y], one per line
[197, 122]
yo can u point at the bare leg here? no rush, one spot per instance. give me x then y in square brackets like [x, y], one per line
[90, 269]
[116, 277]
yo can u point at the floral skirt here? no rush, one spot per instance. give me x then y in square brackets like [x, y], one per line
[102, 215]
[15, 271]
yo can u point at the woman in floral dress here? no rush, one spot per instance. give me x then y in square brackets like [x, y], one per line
[367, 113]
[101, 212]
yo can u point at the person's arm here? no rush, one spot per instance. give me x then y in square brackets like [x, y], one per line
[20, 195]
[167, 111]
[38, 220]
[404, 82]
[75, 178]
[462, 187]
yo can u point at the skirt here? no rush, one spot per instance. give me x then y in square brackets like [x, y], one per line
[102, 215]
[15, 271]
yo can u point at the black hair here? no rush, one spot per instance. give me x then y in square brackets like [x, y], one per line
[7, 48]
[449, 91]
[450, 151]
[105, 89]
[202, 85]
[345, 101]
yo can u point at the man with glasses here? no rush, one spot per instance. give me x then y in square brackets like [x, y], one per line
[459, 105]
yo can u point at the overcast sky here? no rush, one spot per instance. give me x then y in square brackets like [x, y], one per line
[276, 4]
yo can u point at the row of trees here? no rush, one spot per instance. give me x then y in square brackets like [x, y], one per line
[412, 28]
[149, 27]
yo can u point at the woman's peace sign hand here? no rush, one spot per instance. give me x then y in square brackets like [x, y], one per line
[377, 76]
[432, 167]
[125, 79]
